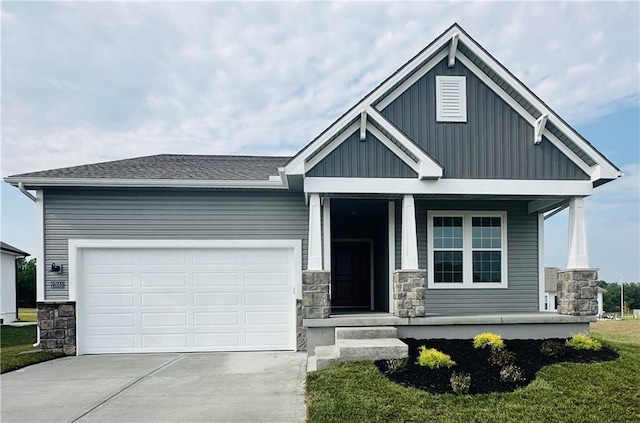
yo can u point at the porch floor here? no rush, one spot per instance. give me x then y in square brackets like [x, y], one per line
[387, 319]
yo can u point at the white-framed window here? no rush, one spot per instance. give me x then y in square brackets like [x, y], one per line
[451, 98]
[467, 249]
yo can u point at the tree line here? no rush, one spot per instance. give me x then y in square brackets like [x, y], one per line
[611, 298]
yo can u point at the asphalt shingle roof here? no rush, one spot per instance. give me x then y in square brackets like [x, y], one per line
[173, 166]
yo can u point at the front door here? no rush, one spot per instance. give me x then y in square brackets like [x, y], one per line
[351, 274]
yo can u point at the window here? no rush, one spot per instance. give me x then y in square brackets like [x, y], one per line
[467, 249]
[451, 98]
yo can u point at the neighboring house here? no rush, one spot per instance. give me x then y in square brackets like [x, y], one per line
[551, 291]
[421, 207]
[8, 283]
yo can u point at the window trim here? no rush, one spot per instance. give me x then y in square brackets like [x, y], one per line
[467, 249]
[461, 117]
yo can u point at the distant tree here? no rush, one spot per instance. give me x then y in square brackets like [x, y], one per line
[611, 298]
[26, 293]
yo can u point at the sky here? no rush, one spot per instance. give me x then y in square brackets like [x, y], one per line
[97, 81]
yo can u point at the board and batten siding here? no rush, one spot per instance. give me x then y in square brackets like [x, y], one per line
[166, 214]
[362, 159]
[494, 143]
[522, 259]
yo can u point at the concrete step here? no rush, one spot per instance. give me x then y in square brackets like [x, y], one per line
[371, 349]
[326, 356]
[372, 332]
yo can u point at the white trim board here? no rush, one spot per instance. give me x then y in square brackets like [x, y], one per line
[77, 244]
[148, 183]
[446, 186]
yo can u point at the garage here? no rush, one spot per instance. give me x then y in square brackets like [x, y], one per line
[232, 297]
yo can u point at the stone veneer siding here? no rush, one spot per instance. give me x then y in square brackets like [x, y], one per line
[409, 290]
[578, 292]
[57, 323]
[316, 301]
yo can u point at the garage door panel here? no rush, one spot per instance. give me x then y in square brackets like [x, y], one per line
[208, 299]
[215, 258]
[162, 257]
[163, 299]
[215, 279]
[164, 340]
[216, 319]
[151, 280]
[110, 299]
[107, 320]
[164, 319]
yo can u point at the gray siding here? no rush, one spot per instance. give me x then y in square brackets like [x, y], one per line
[522, 260]
[155, 214]
[363, 159]
[494, 143]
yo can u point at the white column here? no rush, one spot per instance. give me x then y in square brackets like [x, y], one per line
[578, 256]
[326, 232]
[314, 261]
[409, 237]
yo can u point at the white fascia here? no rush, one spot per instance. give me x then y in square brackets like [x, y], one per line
[535, 102]
[447, 186]
[275, 182]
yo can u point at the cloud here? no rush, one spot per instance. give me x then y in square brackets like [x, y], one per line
[98, 81]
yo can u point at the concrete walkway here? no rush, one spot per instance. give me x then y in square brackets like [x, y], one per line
[196, 387]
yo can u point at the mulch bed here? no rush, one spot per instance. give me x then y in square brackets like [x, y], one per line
[485, 376]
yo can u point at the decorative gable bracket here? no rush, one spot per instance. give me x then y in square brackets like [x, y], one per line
[539, 128]
[452, 49]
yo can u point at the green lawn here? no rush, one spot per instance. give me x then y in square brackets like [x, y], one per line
[602, 392]
[27, 315]
[13, 341]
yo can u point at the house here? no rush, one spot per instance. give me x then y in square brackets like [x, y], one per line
[421, 208]
[8, 283]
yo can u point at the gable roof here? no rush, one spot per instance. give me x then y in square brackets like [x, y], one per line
[458, 45]
[162, 170]
[6, 248]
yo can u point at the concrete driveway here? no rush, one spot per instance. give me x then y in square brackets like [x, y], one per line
[195, 387]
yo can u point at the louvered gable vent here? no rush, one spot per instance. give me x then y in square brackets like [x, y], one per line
[451, 99]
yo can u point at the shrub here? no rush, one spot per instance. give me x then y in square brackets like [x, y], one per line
[394, 365]
[511, 373]
[581, 341]
[489, 339]
[502, 357]
[434, 359]
[552, 348]
[460, 383]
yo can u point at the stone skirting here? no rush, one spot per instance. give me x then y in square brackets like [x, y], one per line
[578, 292]
[57, 323]
[409, 290]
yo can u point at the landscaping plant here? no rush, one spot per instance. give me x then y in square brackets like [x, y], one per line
[396, 364]
[501, 357]
[581, 341]
[511, 373]
[488, 339]
[460, 383]
[434, 359]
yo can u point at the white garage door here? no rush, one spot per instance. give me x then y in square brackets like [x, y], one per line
[204, 299]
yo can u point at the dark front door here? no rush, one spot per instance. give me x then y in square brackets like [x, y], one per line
[351, 274]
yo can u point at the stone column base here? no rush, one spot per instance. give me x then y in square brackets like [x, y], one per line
[316, 301]
[578, 292]
[57, 323]
[409, 292]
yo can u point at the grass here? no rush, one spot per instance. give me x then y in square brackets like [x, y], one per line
[15, 340]
[602, 392]
[27, 315]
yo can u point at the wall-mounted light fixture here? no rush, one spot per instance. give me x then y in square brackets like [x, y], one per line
[56, 268]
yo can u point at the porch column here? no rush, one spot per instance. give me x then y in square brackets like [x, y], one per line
[314, 261]
[577, 285]
[409, 237]
[578, 256]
